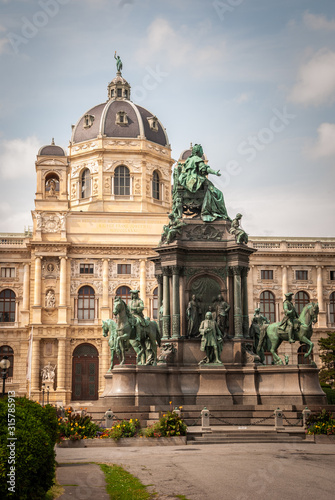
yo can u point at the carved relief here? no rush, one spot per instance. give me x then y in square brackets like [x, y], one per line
[137, 186]
[95, 187]
[204, 232]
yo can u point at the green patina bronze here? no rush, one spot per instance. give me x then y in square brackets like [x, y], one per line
[193, 195]
[193, 178]
[301, 329]
[211, 340]
[258, 324]
[240, 235]
[118, 63]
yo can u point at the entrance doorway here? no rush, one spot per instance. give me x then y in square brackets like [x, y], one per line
[85, 371]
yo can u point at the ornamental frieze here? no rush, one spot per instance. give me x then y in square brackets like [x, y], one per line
[204, 232]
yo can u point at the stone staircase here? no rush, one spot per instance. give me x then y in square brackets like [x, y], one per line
[256, 435]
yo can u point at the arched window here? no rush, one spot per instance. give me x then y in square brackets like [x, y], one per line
[267, 305]
[7, 306]
[301, 355]
[86, 299]
[86, 183]
[155, 185]
[332, 308]
[5, 350]
[122, 181]
[155, 304]
[124, 293]
[301, 299]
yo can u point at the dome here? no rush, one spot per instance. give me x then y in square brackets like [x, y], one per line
[51, 150]
[119, 119]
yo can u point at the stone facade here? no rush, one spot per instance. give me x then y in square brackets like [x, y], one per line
[91, 241]
[304, 266]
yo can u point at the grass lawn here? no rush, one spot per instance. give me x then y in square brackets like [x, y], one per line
[121, 485]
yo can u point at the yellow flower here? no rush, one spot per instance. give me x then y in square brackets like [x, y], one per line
[170, 402]
[180, 407]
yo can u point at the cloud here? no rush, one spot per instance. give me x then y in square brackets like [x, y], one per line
[17, 157]
[325, 143]
[318, 22]
[316, 80]
[179, 48]
[3, 45]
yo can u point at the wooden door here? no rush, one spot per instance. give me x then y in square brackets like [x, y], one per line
[85, 372]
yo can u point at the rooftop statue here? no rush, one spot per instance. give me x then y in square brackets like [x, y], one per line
[118, 63]
[193, 177]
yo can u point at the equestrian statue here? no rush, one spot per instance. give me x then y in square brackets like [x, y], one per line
[132, 330]
[291, 328]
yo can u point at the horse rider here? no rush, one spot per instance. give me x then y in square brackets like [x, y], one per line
[136, 308]
[287, 323]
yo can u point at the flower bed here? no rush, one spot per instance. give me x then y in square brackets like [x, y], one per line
[321, 423]
[78, 430]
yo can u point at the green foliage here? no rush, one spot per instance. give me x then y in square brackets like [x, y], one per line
[121, 485]
[330, 393]
[122, 429]
[170, 424]
[75, 426]
[34, 459]
[321, 423]
[327, 355]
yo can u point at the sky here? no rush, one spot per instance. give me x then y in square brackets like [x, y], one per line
[253, 81]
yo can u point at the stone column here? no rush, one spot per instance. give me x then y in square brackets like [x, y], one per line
[182, 296]
[35, 366]
[143, 285]
[284, 280]
[61, 365]
[251, 290]
[238, 326]
[322, 320]
[104, 363]
[62, 291]
[105, 305]
[25, 305]
[159, 279]
[166, 302]
[37, 282]
[62, 282]
[245, 312]
[175, 302]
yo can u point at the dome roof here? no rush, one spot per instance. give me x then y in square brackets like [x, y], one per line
[51, 150]
[119, 118]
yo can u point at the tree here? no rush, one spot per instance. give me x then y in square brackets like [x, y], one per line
[327, 355]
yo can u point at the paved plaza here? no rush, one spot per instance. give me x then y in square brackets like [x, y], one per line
[264, 471]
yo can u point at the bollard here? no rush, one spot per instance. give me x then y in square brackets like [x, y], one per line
[177, 411]
[305, 414]
[109, 416]
[205, 419]
[278, 419]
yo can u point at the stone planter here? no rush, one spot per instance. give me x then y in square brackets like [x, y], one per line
[123, 442]
[324, 439]
[72, 444]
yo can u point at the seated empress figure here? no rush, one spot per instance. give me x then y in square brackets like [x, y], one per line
[194, 176]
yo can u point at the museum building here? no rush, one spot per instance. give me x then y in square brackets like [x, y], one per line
[99, 213]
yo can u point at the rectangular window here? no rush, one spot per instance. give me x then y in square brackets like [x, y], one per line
[267, 274]
[119, 92]
[332, 275]
[86, 268]
[124, 268]
[8, 272]
[301, 275]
